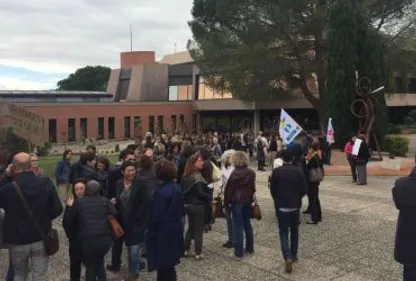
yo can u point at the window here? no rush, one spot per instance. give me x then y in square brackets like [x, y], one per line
[127, 124]
[398, 84]
[152, 124]
[173, 93]
[111, 125]
[100, 128]
[52, 131]
[180, 93]
[412, 85]
[160, 125]
[71, 130]
[206, 92]
[137, 126]
[83, 127]
[173, 125]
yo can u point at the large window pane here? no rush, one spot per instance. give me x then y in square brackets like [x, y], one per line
[173, 93]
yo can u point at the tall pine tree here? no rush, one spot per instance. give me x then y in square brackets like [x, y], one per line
[342, 60]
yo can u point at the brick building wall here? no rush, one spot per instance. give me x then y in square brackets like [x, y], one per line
[92, 112]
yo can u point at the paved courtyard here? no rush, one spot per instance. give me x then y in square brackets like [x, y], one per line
[354, 242]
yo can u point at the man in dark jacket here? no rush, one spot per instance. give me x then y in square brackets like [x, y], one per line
[115, 174]
[404, 196]
[20, 231]
[287, 186]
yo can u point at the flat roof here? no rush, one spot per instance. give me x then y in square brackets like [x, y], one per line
[56, 93]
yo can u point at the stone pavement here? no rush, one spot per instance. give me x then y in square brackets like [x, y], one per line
[354, 242]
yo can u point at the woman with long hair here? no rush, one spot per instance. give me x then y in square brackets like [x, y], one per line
[195, 199]
[314, 162]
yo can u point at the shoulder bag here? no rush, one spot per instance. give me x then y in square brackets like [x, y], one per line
[115, 226]
[51, 239]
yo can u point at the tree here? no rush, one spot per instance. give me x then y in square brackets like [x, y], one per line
[342, 58]
[89, 78]
[261, 49]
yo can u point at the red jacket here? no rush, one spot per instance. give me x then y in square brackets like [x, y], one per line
[348, 148]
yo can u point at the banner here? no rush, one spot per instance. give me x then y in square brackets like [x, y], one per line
[330, 133]
[27, 124]
[288, 128]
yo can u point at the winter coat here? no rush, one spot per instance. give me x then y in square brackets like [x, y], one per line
[165, 233]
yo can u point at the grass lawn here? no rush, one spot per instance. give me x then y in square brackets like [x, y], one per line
[48, 163]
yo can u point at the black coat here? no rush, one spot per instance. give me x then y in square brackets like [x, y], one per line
[41, 195]
[404, 196]
[287, 186]
[114, 175]
[140, 201]
[89, 216]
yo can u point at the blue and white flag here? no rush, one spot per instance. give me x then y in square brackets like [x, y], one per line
[288, 128]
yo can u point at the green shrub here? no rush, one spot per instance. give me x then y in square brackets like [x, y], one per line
[393, 129]
[44, 151]
[412, 114]
[397, 145]
[409, 120]
[117, 148]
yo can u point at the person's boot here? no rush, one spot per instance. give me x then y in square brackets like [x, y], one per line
[112, 268]
[289, 265]
[228, 245]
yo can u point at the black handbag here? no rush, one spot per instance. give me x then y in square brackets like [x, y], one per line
[51, 239]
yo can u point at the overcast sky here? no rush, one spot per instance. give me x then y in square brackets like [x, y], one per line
[42, 41]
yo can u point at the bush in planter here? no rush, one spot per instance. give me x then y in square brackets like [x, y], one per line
[412, 114]
[397, 145]
[409, 120]
[117, 148]
[393, 129]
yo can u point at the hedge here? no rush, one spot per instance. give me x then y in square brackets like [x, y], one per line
[397, 145]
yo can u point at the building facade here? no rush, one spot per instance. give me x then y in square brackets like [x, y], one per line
[168, 96]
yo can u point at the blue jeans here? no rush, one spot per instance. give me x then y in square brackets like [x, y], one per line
[134, 254]
[288, 221]
[409, 273]
[241, 214]
[230, 226]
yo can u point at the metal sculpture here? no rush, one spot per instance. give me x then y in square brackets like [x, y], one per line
[364, 109]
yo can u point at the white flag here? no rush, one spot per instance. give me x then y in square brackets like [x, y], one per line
[330, 132]
[288, 128]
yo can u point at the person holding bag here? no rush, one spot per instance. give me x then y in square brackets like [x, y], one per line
[89, 215]
[30, 203]
[315, 171]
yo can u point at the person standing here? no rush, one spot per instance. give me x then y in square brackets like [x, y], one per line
[226, 169]
[20, 231]
[315, 168]
[89, 216]
[287, 187]
[75, 253]
[404, 197]
[272, 150]
[62, 172]
[352, 161]
[195, 198]
[362, 159]
[239, 196]
[165, 232]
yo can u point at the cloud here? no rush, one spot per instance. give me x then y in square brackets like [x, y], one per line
[60, 36]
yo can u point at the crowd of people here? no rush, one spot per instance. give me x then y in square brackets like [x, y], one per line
[149, 193]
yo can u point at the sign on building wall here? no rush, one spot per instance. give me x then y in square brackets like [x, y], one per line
[27, 124]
